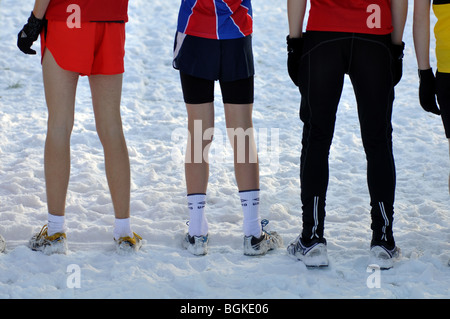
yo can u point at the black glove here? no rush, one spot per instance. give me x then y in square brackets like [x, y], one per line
[294, 49]
[30, 33]
[397, 54]
[427, 91]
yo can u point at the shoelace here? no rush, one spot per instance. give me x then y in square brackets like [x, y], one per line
[128, 239]
[264, 223]
[44, 234]
[43, 231]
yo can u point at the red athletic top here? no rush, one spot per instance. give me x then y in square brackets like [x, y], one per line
[356, 16]
[90, 10]
[216, 19]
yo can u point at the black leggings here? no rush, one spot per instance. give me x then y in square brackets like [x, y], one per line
[197, 90]
[443, 97]
[367, 59]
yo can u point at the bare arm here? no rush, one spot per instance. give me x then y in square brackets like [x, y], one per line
[421, 33]
[399, 9]
[296, 14]
[40, 7]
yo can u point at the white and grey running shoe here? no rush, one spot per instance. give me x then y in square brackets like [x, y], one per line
[196, 245]
[382, 256]
[313, 255]
[259, 246]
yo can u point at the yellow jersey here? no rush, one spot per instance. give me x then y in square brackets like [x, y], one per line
[441, 9]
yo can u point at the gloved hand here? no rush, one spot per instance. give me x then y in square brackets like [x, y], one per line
[397, 54]
[294, 49]
[30, 33]
[427, 91]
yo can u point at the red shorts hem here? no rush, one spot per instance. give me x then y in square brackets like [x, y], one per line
[95, 48]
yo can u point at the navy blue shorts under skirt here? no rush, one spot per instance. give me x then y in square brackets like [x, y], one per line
[210, 59]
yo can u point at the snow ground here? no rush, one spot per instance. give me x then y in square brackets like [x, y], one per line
[155, 121]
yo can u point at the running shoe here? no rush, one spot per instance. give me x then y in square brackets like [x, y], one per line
[383, 256]
[312, 255]
[128, 244]
[196, 245]
[254, 246]
[54, 244]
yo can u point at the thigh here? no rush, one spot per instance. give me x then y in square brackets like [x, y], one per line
[372, 79]
[196, 90]
[238, 91]
[106, 93]
[60, 90]
[322, 71]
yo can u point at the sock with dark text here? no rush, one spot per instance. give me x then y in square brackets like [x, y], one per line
[250, 207]
[198, 224]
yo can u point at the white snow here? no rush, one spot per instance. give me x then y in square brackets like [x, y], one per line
[154, 120]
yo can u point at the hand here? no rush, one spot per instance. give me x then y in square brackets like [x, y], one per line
[30, 33]
[427, 91]
[397, 67]
[294, 48]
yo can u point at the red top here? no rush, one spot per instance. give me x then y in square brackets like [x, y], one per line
[356, 16]
[216, 19]
[90, 10]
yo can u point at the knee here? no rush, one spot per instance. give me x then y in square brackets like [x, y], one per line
[110, 135]
[60, 129]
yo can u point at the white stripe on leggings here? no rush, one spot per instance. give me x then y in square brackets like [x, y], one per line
[315, 217]
[386, 220]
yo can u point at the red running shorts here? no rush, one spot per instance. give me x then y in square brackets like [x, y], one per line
[95, 48]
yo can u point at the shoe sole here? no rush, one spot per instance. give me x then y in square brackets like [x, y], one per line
[317, 257]
[59, 247]
[381, 259]
[275, 241]
[199, 249]
[125, 248]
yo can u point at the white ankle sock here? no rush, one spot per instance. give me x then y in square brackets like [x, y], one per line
[56, 224]
[250, 207]
[122, 228]
[198, 224]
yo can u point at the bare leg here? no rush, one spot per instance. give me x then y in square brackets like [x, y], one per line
[240, 132]
[200, 119]
[106, 95]
[60, 89]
